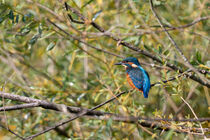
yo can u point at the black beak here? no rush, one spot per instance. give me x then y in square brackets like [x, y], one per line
[120, 63]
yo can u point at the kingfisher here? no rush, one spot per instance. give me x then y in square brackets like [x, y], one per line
[137, 77]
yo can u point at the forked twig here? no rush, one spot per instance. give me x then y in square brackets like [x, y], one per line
[195, 117]
[132, 47]
[187, 63]
[82, 113]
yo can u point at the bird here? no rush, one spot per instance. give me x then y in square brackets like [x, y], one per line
[137, 77]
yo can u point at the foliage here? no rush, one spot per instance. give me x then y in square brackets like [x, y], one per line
[38, 60]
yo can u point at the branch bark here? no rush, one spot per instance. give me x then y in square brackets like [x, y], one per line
[146, 122]
[130, 46]
[187, 63]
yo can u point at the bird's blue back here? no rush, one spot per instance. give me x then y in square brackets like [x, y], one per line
[140, 79]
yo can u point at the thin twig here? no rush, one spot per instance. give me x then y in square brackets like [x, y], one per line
[146, 130]
[7, 126]
[128, 45]
[18, 107]
[70, 109]
[195, 117]
[172, 78]
[82, 113]
[139, 32]
[169, 36]
[146, 122]
[186, 25]
[11, 132]
[189, 95]
[78, 39]
[174, 43]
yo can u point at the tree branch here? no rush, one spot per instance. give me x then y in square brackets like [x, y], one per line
[146, 122]
[128, 45]
[78, 39]
[18, 107]
[31, 102]
[139, 32]
[172, 78]
[174, 43]
[80, 114]
[195, 117]
[11, 132]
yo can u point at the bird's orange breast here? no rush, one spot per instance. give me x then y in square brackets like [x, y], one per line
[130, 82]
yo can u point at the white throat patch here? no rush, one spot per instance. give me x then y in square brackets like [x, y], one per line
[125, 66]
[134, 66]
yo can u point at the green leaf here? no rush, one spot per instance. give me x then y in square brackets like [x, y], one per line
[27, 17]
[17, 18]
[131, 39]
[147, 47]
[166, 52]
[24, 31]
[1, 19]
[193, 62]
[169, 135]
[87, 3]
[40, 29]
[96, 15]
[160, 49]
[156, 2]
[80, 97]
[24, 19]
[109, 123]
[34, 39]
[137, 42]
[155, 50]
[50, 46]
[136, 1]
[198, 56]
[159, 2]
[11, 16]
[208, 64]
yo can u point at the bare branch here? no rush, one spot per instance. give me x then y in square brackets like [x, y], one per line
[69, 109]
[5, 116]
[195, 117]
[146, 122]
[175, 45]
[128, 45]
[80, 114]
[169, 36]
[11, 132]
[76, 21]
[18, 107]
[172, 78]
[78, 39]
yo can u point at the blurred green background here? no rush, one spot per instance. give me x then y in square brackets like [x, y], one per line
[37, 60]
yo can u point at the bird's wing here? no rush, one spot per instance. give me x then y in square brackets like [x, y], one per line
[146, 84]
[137, 78]
[141, 80]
